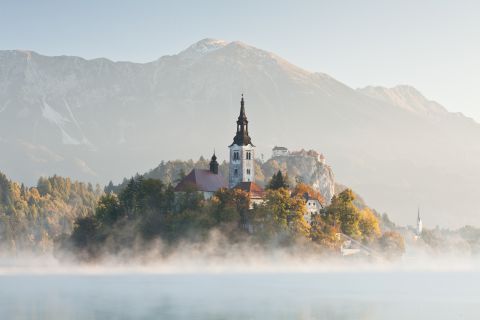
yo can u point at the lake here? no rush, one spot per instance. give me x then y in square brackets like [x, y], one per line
[324, 295]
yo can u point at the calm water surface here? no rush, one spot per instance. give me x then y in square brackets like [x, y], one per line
[382, 295]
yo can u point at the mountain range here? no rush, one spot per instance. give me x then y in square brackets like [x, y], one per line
[99, 120]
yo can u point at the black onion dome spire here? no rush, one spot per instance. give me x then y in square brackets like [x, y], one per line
[214, 164]
[242, 138]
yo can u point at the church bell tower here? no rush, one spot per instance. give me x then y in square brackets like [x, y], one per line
[241, 152]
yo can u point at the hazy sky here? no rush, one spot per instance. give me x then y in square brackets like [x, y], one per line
[432, 45]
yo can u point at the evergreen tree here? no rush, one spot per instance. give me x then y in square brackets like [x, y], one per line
[278, 181]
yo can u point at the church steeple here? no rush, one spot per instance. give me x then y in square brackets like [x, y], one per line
[241, 137]
[242, 153]
[419, 223]
[214, 164]
[242, 116]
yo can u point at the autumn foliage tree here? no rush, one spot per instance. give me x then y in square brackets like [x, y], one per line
[302, 189]
[323, 233]
[369, 226]
[281, 217]
[342, 213]
[231, 206]
[31, 218]
[392, 244]
[350, 220]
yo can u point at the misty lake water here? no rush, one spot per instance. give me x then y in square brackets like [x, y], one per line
[328, 295]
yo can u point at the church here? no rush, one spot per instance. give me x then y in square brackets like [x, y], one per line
[241, 173]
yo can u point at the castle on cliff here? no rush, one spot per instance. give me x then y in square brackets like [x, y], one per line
[284, 152]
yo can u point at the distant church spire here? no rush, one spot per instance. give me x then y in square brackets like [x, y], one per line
[241, 137]
[419, 223]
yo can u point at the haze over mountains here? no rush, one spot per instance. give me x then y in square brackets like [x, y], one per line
[99, 120]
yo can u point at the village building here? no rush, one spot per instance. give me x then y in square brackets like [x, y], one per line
[204, 181]
[254, 191]
[313, 206]
[279, 152]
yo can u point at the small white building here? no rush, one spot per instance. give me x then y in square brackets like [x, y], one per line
[279, 152]
[313, 207]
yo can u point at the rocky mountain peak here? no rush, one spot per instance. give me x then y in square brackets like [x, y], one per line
[407, 98]
[202, 47]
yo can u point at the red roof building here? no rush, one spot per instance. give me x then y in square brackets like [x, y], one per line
[202, 180]
[255, 192]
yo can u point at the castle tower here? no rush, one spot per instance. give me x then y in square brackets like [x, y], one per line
[241, 152]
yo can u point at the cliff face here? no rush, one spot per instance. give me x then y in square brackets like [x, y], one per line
[304, 167]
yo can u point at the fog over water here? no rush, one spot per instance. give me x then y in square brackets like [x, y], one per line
[327, 295]
[245, 284]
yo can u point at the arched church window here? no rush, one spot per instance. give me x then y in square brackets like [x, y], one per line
[235, 172]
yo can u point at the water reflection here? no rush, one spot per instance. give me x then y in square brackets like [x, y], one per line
[383, 295]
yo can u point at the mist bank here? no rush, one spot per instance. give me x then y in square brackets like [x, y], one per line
[217, 256]
[71, 221]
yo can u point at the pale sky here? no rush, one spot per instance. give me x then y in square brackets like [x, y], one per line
[432, 45]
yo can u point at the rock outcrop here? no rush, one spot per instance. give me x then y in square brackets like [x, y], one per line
[304, 166]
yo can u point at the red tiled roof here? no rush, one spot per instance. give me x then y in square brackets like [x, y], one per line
[201, 180]
[253, 189]
[308, 197]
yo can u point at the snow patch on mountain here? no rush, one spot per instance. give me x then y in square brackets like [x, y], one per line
[52, 115]
[60, 121]
[202, 48]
